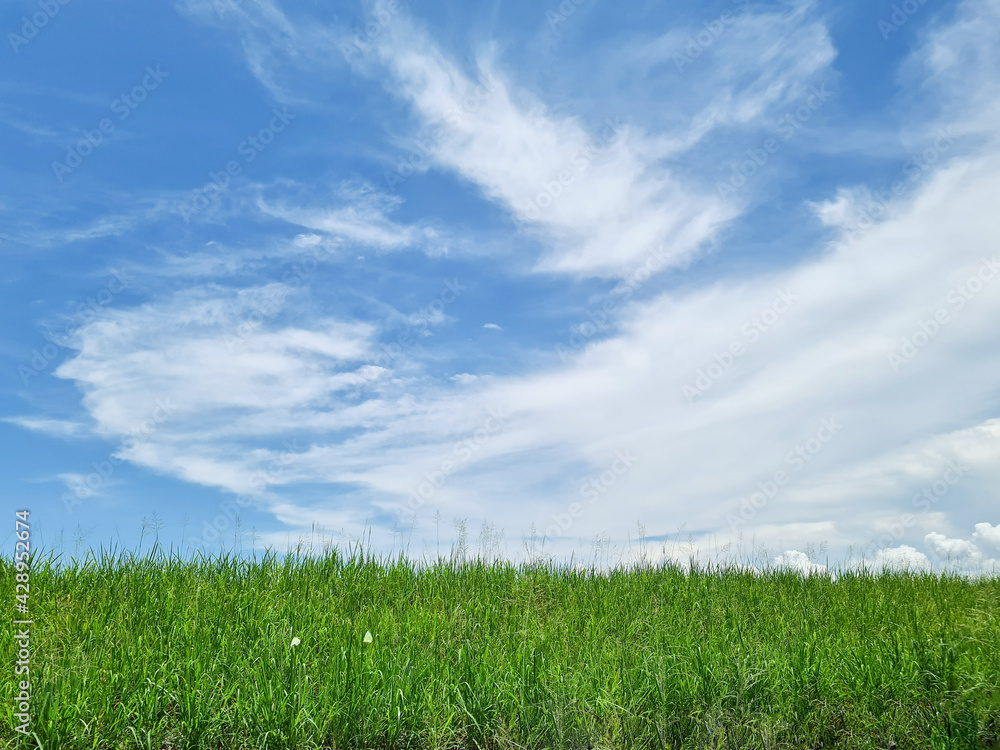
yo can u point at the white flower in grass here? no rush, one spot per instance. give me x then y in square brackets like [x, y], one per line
[296, 641]
[368, 637]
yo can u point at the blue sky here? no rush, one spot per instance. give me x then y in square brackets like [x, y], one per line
[715, 274]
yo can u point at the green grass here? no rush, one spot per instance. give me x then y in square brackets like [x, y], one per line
[161, 652]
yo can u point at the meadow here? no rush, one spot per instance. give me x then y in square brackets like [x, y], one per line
[231, 652]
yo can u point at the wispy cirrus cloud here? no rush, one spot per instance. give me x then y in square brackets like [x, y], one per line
[65, 428]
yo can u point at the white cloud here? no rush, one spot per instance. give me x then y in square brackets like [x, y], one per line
[600, 204]
[601, 198]
[987, 534]
[271, 41]
[760, 60]
[953, 550]
[56, 427]
[493, 326]
[359, 214]
[80, 486]
[798, 561]
[902, 558]
[223, 373]
[956, 65]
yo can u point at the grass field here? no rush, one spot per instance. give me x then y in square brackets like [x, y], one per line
[160, 652]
